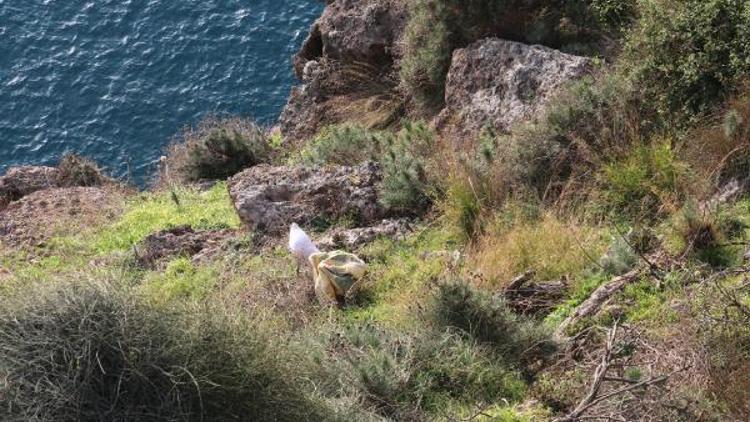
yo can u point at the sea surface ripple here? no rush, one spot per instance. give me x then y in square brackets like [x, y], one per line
[116, 79]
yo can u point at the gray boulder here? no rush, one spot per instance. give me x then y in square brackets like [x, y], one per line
[21, 181]
[501, 83]
[268, 199]
[363, 31]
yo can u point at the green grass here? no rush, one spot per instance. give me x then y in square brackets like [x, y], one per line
[181, 279]
[151, 212]
[107, 250]
[399, 274]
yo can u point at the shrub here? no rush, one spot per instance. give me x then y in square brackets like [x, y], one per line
[614, 15]
[344, 144]
[406, 181]
[86, 353]
[648, 181]
[427, 54]
[687, 55]
[701, 234]
[620, 257]
[478, 184]
[214, 150]
[408, 375]
[74, 170]
[487, 319]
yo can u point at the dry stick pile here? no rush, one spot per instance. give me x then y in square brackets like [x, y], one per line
[595, 395]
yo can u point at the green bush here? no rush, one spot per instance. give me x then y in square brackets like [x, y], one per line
[406, 183]
[74, 170]
[647, 182]
[614, 15]
[215, 150]
[344, 144]
[408, 375]
[91, 353]
[487, 319]
[687, 55]
[703, 234]
[427, 54]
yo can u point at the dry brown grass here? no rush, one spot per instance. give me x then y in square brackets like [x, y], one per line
[365, 95]
[721, 151]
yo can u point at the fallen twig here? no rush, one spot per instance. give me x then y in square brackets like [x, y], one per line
[594, 303]
[593, 397]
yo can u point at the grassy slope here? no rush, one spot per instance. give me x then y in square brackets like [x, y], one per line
[387, 355]
[402, 274]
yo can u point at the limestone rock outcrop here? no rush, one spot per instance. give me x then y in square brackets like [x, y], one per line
[349, 53]
[351, 239]
[499, 83]
[268, 199]
[363, 31]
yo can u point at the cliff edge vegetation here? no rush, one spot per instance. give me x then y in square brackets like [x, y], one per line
[551, 197]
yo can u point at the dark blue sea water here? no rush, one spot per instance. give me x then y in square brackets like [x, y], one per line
[116, 79]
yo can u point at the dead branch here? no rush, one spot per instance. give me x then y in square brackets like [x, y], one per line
[593, 397]
[599, 375]
[594, 303]
[519, 281]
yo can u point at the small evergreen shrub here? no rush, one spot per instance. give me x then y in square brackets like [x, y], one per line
[619, 258]
[345, 144]
[648, 182]
[75, 170]
[702, 234]
[406, 182]
[486, 318]
[408, 375]
[90, 353]
[427, 55]
[215, 150]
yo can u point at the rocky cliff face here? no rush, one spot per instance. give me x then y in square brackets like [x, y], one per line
[491, 82]
[351, 48]
[365, 31]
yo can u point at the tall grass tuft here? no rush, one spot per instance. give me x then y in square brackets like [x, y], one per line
[216, 149]
[92, 352]
[75, 170]
[487, 319]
